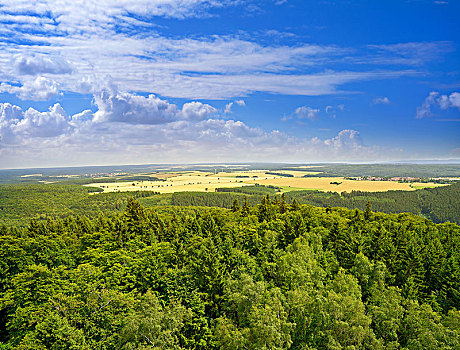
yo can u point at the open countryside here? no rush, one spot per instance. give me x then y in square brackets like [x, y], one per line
[286, 180]
[230, 175]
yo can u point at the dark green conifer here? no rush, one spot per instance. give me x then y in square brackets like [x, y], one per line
[236, 206]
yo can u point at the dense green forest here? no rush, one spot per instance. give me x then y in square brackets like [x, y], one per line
[21, 202]
[438, 204]
[272, 276]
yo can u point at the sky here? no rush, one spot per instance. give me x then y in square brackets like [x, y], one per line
[99, 82]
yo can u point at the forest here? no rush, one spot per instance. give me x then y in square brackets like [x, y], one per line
[21, 202]
[271, 276]
[438, 204]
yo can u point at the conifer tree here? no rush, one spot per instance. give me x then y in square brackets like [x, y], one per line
[368, 211]
[236, 206]
[245, 210]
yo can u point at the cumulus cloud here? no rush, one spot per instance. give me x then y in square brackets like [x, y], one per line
[53, 138]
[381, 101]
[39, 89]
[133, 109]
[197, 111]
[40, 64]
[124, 107]
[305, 112]
[9, 112]
[17, 125]
[434, 99]
[346, 140]
[52, 123]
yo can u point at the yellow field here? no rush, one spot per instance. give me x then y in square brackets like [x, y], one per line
[324, 184]
[208, 181]
[176, 182]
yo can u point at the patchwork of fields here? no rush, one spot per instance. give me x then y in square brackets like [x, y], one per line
[209, 181]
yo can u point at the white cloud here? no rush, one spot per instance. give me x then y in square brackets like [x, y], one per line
[411, 53]
[76, 41]
[115, 106]
[52, 123]
[228, 106]
[34, 138]
[124, 107]
[454, 99]
[225, 86]
[10, 115]
[9, 112]
[443, 102]
[425, 109]
[86, 116]
[333, 109]
[39, 89]
[305, 112]
[89, 12]
[17, 125]
[381, 101]
[197, 111]
[346, 140]
[40, 64]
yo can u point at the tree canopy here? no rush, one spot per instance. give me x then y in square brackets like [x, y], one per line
[272, 276]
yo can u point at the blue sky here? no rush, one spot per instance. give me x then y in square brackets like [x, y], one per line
[184, 81]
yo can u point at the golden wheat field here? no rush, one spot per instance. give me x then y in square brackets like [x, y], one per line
[178, 182]
[325, 184]
[209, 181]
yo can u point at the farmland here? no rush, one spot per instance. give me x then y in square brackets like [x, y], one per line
[339, 184]
[286, 180]
[188, 181]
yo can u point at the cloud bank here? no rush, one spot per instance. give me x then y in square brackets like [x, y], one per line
[127, 126]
